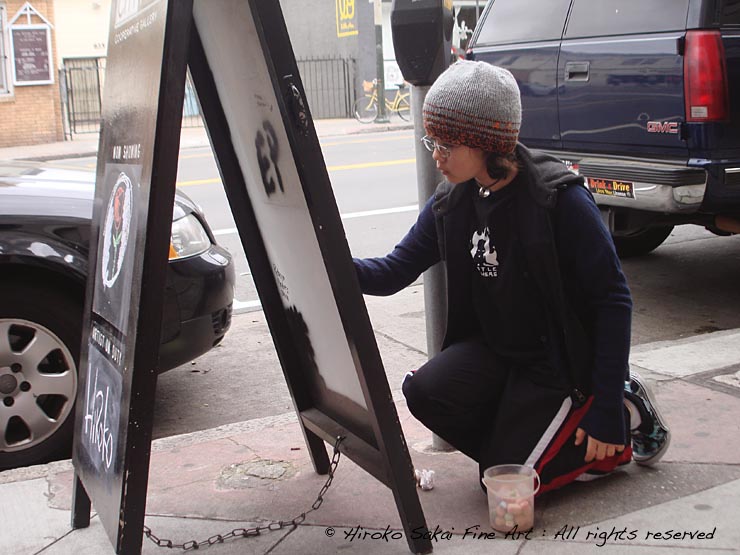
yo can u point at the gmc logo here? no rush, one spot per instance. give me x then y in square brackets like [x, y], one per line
[662, 127]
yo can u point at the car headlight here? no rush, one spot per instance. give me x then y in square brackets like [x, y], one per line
[189, 238]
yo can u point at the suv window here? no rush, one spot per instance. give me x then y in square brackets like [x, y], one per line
[592, 18]
[515, 21]
[731, 12]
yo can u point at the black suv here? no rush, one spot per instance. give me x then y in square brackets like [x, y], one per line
[642, 97]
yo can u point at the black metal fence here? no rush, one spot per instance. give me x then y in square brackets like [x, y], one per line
[329, 85]
[81, 82]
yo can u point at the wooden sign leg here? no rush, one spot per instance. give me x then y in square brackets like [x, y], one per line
[80, 505]
[411, 513]
[317, 449]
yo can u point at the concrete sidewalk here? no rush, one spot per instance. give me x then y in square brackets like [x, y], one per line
[256, 472]
[84, 145]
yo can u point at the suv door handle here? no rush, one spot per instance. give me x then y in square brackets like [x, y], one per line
[576, 71]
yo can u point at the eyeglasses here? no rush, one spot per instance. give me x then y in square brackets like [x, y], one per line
[444, 149]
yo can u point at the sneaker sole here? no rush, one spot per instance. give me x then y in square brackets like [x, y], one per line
[659, 455]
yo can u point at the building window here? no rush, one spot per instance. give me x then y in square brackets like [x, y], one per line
[4, 58]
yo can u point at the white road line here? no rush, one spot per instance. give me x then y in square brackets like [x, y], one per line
[245, 306]
[347, 216]
[381, 212]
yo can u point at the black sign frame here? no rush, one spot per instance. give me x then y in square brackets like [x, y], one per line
[31, 67]
[139, 143]
[351, 400]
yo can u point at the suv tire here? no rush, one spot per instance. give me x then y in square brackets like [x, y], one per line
[642, 242]
[40, 334]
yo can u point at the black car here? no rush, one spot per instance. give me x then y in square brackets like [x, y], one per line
[45, 221]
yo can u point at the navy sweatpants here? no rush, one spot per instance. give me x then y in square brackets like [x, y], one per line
[497, 413]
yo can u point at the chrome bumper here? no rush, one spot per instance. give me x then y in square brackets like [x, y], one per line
[667, 188]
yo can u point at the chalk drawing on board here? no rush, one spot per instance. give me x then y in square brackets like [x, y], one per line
[115, 265]
[101, 413]
[268, 152]
[326, 399]
[116, 227]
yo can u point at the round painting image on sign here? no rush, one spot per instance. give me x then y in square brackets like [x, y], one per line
[116, 229]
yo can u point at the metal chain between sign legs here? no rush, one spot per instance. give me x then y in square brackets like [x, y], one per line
[257, 530]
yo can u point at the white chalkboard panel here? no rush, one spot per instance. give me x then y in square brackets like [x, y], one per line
[275, 189]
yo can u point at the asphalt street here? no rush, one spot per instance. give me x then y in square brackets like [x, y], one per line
[686, 287]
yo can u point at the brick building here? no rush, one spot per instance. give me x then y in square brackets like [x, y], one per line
[30, 105]
[334, 42]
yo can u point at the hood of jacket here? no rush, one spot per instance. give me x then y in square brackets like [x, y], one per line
[544, 175]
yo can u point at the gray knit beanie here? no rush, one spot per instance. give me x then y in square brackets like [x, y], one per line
[474, 104]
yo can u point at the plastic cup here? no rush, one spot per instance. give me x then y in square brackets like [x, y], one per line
[511, 489]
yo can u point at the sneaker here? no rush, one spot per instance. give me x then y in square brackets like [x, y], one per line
[651, 438]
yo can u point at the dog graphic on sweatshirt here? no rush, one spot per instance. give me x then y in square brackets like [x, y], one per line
[484, 254]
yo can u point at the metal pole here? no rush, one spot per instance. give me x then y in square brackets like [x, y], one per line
[381, 116]
[64, 99]
[435, 280]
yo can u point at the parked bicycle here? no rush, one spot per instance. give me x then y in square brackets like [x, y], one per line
[365, 109]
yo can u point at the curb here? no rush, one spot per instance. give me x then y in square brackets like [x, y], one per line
[60, 156]
[378, 129]
[367, 128]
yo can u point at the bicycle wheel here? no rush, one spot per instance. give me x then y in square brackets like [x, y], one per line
[404, 108]
[365, 109]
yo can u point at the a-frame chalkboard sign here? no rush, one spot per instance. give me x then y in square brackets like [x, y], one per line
[274, 175]
[134, 195]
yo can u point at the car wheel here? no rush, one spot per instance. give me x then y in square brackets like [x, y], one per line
[641, 242]
[40, 333]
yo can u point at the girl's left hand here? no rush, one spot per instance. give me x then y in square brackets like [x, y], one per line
[596, 449]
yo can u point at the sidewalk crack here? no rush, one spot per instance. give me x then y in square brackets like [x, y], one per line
[401, 343]
[281, 540]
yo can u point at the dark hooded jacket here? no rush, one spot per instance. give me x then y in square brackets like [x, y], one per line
[571, 258]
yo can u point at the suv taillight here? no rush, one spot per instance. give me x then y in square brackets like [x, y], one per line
[705, 77]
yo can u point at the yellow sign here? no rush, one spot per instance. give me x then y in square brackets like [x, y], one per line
[346, 18]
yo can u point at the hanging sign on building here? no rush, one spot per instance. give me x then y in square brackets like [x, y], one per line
[346, 18]
[30, 48]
